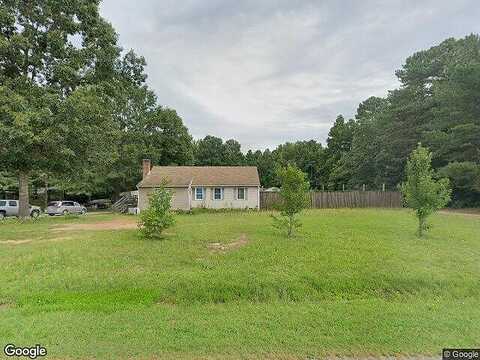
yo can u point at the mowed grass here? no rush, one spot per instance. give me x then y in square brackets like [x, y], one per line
[353, 282]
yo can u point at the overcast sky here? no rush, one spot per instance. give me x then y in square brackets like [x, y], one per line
[265, 71]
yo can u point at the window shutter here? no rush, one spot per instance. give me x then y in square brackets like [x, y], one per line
[212, 191]
[222, 192]
[235, 193]
[245, 192]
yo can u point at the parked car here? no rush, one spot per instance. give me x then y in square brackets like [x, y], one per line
[10, 208]
[100, 204]
[65, 208]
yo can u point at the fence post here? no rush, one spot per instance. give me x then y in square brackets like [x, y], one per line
[343, 187]
[363, 187]
[383, 187]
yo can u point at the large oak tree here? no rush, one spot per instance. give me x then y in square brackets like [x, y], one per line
[56, 58]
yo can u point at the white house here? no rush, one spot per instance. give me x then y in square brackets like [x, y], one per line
[213, 187]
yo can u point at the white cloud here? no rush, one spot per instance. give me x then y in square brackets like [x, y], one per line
[271, 71]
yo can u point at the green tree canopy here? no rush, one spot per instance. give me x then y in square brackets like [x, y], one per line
[232, 154]
[339, 143]
[308, 156]
[54, 58]
[212, 151]
[208, 151]
[465, 180]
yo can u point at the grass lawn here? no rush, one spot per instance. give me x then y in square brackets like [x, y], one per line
[353, 283]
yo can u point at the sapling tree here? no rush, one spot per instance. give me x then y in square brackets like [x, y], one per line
[158, 216]
[293, 191]
[421, 191]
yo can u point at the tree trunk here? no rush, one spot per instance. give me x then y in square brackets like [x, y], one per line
[115, 194]
[46, 195]
[421, 226]
[290, 226]
[23, 206]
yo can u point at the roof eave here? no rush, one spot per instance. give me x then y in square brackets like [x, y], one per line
[140, 186]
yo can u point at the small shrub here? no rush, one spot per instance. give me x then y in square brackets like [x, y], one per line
[421, 191]
[293, 193]
[158, 216]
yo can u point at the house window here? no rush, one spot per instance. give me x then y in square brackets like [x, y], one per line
[198, 193]
[217, 193]
[241, 193]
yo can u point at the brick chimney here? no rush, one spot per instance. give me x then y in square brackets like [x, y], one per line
[146, 167]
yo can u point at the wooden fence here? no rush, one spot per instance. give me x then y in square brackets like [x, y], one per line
[340, 199]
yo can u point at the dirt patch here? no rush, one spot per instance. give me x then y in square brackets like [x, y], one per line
[16, 242]
[4, 306]
[28, 241]
[220, 248]
[64, 238]
[117, 224]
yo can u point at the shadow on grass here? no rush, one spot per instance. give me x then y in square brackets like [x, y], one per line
[218, 291]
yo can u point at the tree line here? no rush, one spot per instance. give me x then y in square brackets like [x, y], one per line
[76, 114]
[437, 105]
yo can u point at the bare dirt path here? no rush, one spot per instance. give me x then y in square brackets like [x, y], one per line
[116, 224]
[28, 241]
[465, 212]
